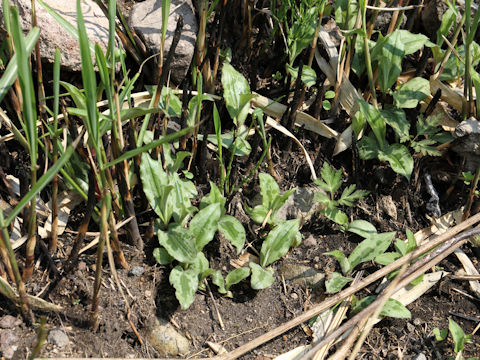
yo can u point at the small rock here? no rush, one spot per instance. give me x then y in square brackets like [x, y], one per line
[417, 321]
[310, 241]
[301, 204]
[467, 143]
[58, 338]
[410, 327]
[82, 265]
[294, 296]
[386, 204]
[420, 356]
[8, 343]
[145, 19]
[303, 275]
[53, 35]
[166, 340]
[137, 271]
[9, 322]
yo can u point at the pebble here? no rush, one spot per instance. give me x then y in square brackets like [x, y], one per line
[82, 265]
[58, 338]
[9, 322]
[8, 343]
[420, 356]
[166, 340]
[310, 241]
[137, 270]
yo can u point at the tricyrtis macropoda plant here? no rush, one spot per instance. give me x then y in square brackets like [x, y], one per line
[387, 55]
[272, 201]
[330, 182]
[283, 235]
[184, 245]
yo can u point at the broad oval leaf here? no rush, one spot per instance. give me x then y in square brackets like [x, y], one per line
[268, 189]
[261, 278]
[390, 61]
[387, 258]
[362, 228]
[376, 122]
[155, 183]
[235, 87]
[395, 309]
[408, 95]
[399, 159]
[162, 256]
[412, 42]
[185, 283]
[342, 259]
[218, 280]
[397, 119]
[458, 335]
[392, 308]
[370, 248]
[233, 231]
[179, 242]
[278, 241]
[235, 276]
[204, 224]
[309, 76]
[336, 283]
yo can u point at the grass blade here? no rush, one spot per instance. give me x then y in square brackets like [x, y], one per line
[44, 180]
[89, 80]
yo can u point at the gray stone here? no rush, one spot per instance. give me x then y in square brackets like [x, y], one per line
[8, 343]
[420, 356]
[146, 20]
[165, 339]
[58, 337]
[432, 14]
[301, 204]
[53, 35]
[386, 204]
[303, 275]
[467, 143]
[137, 270]
[9, 322]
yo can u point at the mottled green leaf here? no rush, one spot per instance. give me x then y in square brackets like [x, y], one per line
[185, 283]
[235, 276]
[204, 224]
[261, 278]
[399, 159]
[370, 248]
[336, 283]
[278, 241]
[233, 231]
[179, 242]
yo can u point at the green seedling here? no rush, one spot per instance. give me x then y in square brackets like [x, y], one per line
[374, 245]
[330, 182]
[392, 308]
[458, 336]
[402, 248]
[184, 244]
[272, 201]
[326, 104]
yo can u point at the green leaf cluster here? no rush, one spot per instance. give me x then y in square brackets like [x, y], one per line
[272, 201]
[330, 182]
[458, 335]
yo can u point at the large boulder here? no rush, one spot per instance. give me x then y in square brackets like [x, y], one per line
[146, 19]
[53, 35]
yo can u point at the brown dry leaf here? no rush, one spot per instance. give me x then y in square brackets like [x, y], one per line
[243, 259]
